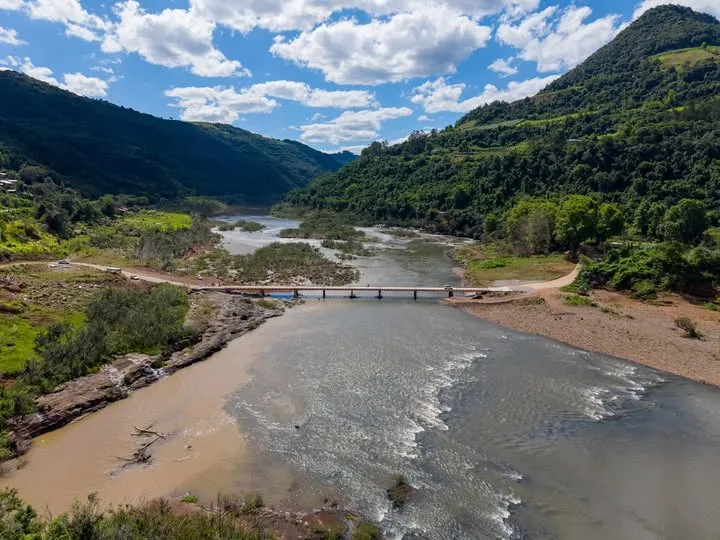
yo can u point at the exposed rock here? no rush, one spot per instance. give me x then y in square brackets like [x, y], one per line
[223, 317]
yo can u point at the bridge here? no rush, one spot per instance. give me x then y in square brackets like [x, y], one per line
[351, 291]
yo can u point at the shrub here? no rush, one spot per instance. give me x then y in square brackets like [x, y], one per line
[644, 290]
[688, 326]
[190, 499]
[253, 502]
[578, 301]
[492, 263]
[249, 226]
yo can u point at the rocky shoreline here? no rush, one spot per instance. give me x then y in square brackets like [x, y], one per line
[216, 317]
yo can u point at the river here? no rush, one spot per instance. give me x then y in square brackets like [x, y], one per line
[504, 435]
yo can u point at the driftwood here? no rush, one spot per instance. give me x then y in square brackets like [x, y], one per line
[141, 455]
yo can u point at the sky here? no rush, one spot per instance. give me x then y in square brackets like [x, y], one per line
[334, 74]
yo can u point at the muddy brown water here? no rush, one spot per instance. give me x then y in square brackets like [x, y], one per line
[504, 435]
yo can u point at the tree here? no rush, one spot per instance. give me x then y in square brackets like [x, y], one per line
[576, 221]
[686, 221]
[611, 221]
[530, 225]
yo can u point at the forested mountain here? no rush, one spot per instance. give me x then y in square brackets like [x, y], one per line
[637, 124]
[100, 148]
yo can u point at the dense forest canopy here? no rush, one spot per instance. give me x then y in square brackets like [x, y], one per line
[100, 148]
[636, 125]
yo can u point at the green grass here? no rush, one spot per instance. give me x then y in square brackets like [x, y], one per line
[18, 333]
[491, 262]
[579, 301]
[154, 219]
[690, 56]
[190, 499]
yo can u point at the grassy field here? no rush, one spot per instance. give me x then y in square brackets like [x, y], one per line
[154, 219]
[487, 263]
[34, 297]
[690, 56]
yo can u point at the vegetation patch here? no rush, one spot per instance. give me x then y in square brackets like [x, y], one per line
[583, 301]
[249, 226]
[324, 226]
[156, 220]
[688, 57]
[294, 262]
[399, 493]
[485, 263]
[688, 326]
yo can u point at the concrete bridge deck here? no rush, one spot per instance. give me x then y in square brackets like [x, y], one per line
[351, 291]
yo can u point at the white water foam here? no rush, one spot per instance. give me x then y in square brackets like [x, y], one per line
[429, 409]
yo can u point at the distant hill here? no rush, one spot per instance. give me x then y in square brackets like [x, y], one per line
[99, 148]
[638, 121]
[344, 157]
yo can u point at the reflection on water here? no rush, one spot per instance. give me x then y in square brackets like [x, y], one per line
[504, 435]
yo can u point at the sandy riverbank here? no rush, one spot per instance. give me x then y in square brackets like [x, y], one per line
[644, 333]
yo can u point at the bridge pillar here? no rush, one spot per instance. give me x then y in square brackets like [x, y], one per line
[262, 293]
[379, 296]
[323, 294]
[414, 295]
[352, 295]
[450, 293]
[296, 293]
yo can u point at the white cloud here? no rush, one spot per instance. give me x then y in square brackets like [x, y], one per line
[73, 82]
[316, 117]
[227, 105]
[172, 38]
[78, 22]
[103, 69]
[12, 5]
[10, 37]
[438, 96]
[82, 32]
[85, 86]
[352, 126]
[503, 67]
[280, 15]
[313, 97]
[559, 42]
[706, 6]
[423, 118]
[418, 44]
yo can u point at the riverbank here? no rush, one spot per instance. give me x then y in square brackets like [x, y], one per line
[216, 317]
[616, 325]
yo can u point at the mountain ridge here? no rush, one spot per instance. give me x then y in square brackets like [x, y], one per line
[98, 147]
[625, 126]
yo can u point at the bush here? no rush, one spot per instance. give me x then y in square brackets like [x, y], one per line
[687, 325]
[492, 263]
[190, 499]
[644, 290]
[253, 502]
[249, 226]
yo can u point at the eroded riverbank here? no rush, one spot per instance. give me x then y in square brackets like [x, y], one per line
[204, 453]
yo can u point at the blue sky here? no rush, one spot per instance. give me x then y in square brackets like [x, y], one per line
[334, 74]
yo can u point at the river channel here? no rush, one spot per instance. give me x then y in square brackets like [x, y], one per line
[503, 435]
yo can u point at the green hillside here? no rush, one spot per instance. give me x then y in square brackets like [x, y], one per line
[637, 124]
[101, 148]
